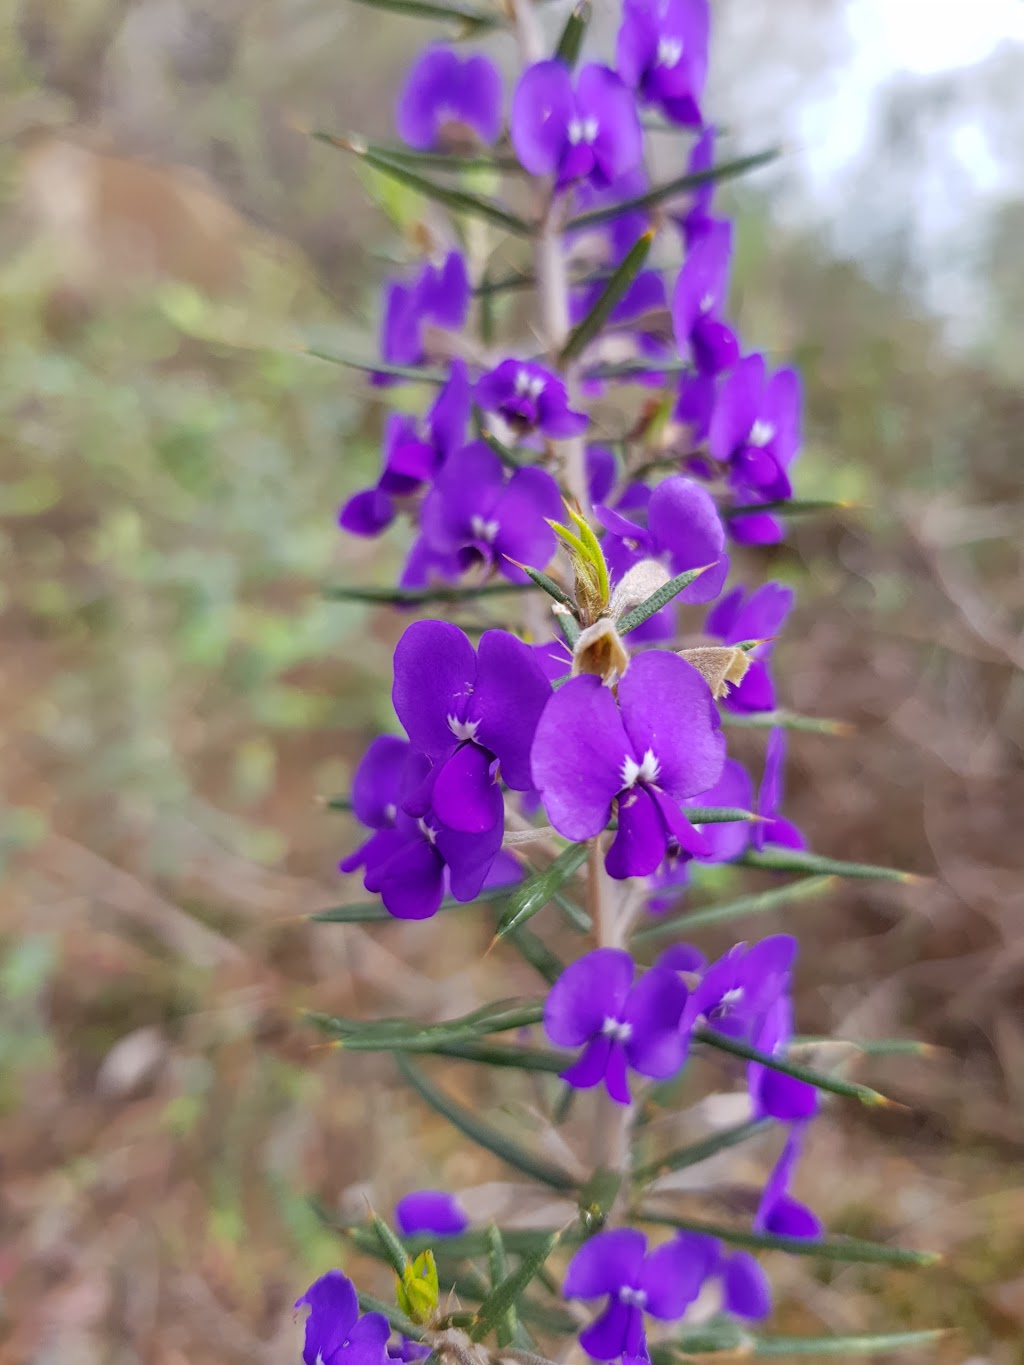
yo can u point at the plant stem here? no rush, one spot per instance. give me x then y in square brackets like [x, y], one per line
[612, 1146]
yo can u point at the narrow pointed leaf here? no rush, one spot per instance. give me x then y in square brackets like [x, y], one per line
[505, 284]
[545, 1060]
[549, 585]
[696, 1152]
[468, 18]
[505, 1294]
[456, 200]
[394, 1315]
[479, 1131]
[414, 597]
[834, 1084]
[442, 161]
[651, 198]
[763, 902]
[340, 803]
[569, 44]
[788, 507]
[372, 912]
[659, 599]
[497, 1265]
[873, 1047]
[416, 373]
[572, 913]
[637, 369]
[535, 893]
[718, 815]
[536, 952]
[569, 627]
[406, 1036]
[504, 453]
[778, 859]
[394, 1252]
[598, 1196]
[878, 1345]
[590, 327]
[853, 1250]
[787, 720]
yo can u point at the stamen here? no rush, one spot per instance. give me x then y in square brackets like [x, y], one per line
[646, 770]
[761, 433]
[463, 729]
[430, 834]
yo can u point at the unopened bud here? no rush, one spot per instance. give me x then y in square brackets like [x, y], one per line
[600, 651]
[642, 581]
[721, 666]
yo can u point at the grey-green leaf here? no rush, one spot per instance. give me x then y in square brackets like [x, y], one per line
[659, 599]
[504, 1295]
[534, 894]
[614, 290]
[834, 1084]
[569, 44]
[696, 1152]
[761, 902]
[778, 859]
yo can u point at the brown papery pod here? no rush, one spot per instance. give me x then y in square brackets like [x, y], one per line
[721, 666]
[600, 651]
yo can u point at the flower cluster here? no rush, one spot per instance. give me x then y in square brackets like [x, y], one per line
[591, 729]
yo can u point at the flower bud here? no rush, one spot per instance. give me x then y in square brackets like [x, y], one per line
[417, 1290]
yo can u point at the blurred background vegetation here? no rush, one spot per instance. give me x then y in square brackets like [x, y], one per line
[178, 698]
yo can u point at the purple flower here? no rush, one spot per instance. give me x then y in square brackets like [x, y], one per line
[444, 93]
[411, 860]
[723, 842]
[528, 397]
[779, 1213]
[773, 829]
[602, 472]
[755, 429]
[774, 1094]
[595, 1005]
[406, 1350]
[658, 746]
[662, 1283]
[591, 132]
[662, 53]
[410, 460]
[335, 1333]
[745, 1288]
[474, 513]
[696, 220]
[735, 994]
[760, 616]
[700, 297]
[434, 1211]
[467, 712]
[439, 296]
[683, 531]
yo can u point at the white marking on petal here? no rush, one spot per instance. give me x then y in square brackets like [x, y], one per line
[425, 829]
[732, 997]
[615, 1029]
[483, 530]
[707, 303]
[761, 433]
[583, 130]
[646, 770]
[463, 729]
[635, 1298]
[523, 381]
[669, 52]
[391, 811]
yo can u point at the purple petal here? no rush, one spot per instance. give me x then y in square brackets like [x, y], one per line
[542, 108]
[470, 858]
[434, 1211]
[377, 784]
[781, 1097]
[667, 708]
[673, 1276]
[757, 528]
[608, 1336]
[448, 417]
[615, 1080]
[695, 405]
[789, 1218]
[589, 1070]
[577, 756]
[654, 1009]
[601, 95]
[367, 513]
[590, 990]
[737, 407]
[703, 281]
[682, 957]
[445, 293]
[411, 882]
[333, 1310]
[478, 101]
[746, 1288]
[509, 696]
[756, 692]
[640, 841]
[555, 417]
[366, 1344]
[435, 669]
[684, 524]
[734, 788]
[721, 619]
[465, 796]
[715, 346]
[530, 498]
[601, 472]
[763, 614]
[780, 408]
[463, 496]
[423, 94]
[605, 1263]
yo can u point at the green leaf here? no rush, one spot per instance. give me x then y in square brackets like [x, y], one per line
[340, 803]
[787, 720]
[413, 597]
[788, 507]
[479, 1131]
[878, 1345]
[535, 893]
[372, 912]
[394, 1315]
[597, 1198]
[590, 326]
[569, 627]
[834, 1084]
[762, 902]
[505, 284]
[658, 195]
[506, 455]
[777, 859]
[413, 372]
[470, 19]
[497, 1265]
[405, 1035]
[549, 585]
[504, 1295]
[696, 1152]
[569, 44]
[659, 599]
[456, 200]
[637, 369]
[506, 1055]
[873, 1047]
[572, 913]
[442, 161]
[847, 1249]
[717, 815]
[394, 1252]
[536, 952]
